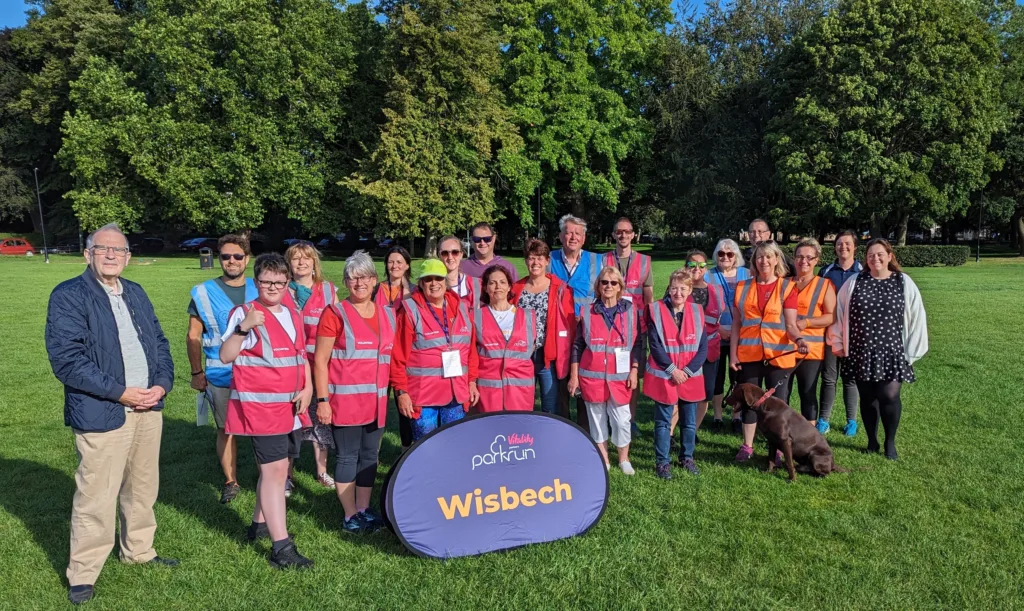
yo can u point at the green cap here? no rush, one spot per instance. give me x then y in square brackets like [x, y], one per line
[432, 267]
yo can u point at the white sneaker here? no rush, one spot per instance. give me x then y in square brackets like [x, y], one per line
[289, 485]
[627, 468]
[607, 466]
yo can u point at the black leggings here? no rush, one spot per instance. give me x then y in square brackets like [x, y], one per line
[806, 376]
[404, 424]
[357, 453]
[723, 364]
[880, 399]
[765, 376]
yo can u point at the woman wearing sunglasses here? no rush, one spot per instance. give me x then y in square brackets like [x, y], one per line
[710, 299]
[309, 294]
[729, 270]
[605, 364]
[449, 251]
[766, 338]
[435, 355]
[816, 304]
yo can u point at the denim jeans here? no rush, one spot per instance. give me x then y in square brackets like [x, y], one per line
[547, 383]
[434, 417]
[663, 436]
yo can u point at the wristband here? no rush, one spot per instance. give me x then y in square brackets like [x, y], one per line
[195, 373]
[322, 399]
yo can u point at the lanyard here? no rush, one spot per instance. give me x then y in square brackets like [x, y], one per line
[444, 322]
[725, 287]
[615, 327]
[566, 266]
[401, 292]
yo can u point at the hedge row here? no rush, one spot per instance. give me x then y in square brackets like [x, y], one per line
[918, 255]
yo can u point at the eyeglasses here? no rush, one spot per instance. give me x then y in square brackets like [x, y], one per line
[609, 283]
[806, 258]
[357, 279]
[235, 256]
[486, 239]
[726, 255]
[623, 232]
[266, 284]
[450, 253]
[696, 264]
[119, 251]
[676, 290]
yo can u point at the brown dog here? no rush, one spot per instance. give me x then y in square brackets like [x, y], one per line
[786, 430]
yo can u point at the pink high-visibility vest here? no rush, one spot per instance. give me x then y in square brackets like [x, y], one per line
[506, 372]
[599, 381]
[360, 365]
[427, 385]
[681, 343]
[324, 294]
[637, 269]
[267, 378]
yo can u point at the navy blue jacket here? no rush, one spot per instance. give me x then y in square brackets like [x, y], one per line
[838, 275]
[85, 352]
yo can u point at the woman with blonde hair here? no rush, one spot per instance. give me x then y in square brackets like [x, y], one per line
[310, 294]
[729, 269]
[605, 364]
[816, 304]
[766, 338]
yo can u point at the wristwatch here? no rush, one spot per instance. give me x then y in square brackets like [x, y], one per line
[399, 393]
[238, 330]
[322, 399]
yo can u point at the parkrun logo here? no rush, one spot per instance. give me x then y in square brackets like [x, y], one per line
[503, 500]
[500, 454]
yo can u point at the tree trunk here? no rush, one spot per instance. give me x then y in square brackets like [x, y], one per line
[577, 205]
[877, 226]
[431, 247]
[1019, 226]
[901, 230]
[412, 248]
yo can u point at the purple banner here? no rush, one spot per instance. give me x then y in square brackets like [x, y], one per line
[496, 481]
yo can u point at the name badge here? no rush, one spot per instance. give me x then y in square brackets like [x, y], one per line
[628, 298]
[451, 362]
[621, 360]
[563, 334]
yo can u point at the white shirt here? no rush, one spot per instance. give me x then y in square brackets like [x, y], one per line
[284, 317]
[461, 288]
[506, 320]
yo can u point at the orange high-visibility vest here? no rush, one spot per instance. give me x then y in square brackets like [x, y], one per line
[810, 303]
[763, 335]
[506, 372]
[266, 379]
[360, 366]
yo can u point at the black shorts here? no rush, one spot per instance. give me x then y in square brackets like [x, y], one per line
[272, 448]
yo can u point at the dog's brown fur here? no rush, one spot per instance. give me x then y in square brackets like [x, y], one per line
[786, 430]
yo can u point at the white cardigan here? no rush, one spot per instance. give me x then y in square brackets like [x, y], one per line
[915, 324]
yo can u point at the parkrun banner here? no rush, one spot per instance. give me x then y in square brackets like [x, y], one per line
[496, 481]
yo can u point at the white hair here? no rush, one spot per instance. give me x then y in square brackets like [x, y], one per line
[575, 220]
[108, 227]
[361, 264]
[731, 246]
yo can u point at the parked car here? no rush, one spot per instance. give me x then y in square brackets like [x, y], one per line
[63, 248]
[386, 243]
[16, 246]
[146, 246]
[195, 244]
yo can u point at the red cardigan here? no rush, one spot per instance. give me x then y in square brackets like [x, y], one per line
[561, 316]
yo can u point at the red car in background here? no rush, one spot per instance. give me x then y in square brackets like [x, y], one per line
[16, 246]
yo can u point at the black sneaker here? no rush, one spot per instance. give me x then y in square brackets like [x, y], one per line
[737, 426]
[260, 532]
[160, 561]
[229, 492]
[717, 426]
[371, 520]
[289, 558]
[664, 471]
[355, 525]
[80, 594]
[691, 466]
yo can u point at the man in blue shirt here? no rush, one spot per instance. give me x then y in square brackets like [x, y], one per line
[845, 267]
[578, 268]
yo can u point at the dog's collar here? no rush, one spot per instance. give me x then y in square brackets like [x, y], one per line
[764, 397]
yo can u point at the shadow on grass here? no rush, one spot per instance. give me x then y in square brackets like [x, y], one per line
[40, 497]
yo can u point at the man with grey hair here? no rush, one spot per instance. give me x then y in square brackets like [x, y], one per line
[757, 232]
[106, 346]
[577, 268]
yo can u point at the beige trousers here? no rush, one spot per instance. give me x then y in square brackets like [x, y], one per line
[120, 467]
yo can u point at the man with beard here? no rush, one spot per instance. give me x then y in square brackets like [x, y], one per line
[212, 302]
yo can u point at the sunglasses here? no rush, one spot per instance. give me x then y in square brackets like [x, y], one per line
[485, 239]
[726, 255]
[266, 284]
[236, 257]
[696, 264]
[450, 253]
[609, 283]
[433, 279]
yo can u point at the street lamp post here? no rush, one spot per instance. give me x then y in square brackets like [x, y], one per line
[42, 222]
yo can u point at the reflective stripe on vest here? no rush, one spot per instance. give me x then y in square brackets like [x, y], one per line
[506, 373]
[815, 338]
[598, 379]
[636, 272]
[427, 385]
[214, 308]
[764, 339]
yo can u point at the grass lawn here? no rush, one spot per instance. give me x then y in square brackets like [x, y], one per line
[942, 528]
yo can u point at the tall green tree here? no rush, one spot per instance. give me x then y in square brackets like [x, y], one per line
[220, 110]
[890, 109]
[447, 144]
[16, 198]
[575, 73]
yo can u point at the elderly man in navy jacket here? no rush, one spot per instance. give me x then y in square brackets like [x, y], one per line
[106, 346]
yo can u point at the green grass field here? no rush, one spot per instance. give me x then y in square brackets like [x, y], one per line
[942, 528]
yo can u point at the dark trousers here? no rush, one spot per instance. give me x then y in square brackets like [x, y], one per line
[563, 405]
[765, 376]
[806, 376]
[833, 368]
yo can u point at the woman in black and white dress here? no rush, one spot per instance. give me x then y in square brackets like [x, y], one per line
[882, 330]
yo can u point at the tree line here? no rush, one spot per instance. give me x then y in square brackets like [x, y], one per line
[419, 118]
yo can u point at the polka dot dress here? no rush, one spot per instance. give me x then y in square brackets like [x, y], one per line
[876, 330]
